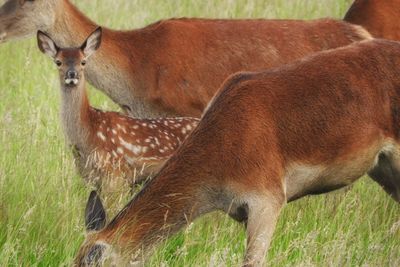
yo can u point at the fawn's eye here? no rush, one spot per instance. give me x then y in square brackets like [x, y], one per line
[83, 63]
[58, 62]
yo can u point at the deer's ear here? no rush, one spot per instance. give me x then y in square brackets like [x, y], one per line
[46, 44]
[92, 43]
[95, 216]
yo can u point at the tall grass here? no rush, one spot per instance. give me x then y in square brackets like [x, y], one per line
[42, 198]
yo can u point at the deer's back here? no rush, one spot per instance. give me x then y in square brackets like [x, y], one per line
[318, 109]
[195, 55]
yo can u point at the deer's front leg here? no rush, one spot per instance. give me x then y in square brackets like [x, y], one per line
[263, 214]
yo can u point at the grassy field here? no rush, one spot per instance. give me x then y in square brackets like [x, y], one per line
[42, 198]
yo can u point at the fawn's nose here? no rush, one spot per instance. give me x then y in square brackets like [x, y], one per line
[71, 74]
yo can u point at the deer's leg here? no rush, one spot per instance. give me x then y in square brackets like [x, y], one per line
[263, 212]
[387, 173]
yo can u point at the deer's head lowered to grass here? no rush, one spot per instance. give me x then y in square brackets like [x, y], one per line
[109, 145]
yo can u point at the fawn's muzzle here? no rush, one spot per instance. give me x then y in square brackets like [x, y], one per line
[71, 77]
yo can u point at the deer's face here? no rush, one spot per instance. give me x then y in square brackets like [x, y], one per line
[23, 18]
[70, 61]
[96, 253]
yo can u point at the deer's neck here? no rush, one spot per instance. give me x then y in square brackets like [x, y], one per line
[163, 207]
[75, 115]
[70, 27]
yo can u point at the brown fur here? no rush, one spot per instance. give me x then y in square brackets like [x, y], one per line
[270, 137]
[379, 17]
[175, 66]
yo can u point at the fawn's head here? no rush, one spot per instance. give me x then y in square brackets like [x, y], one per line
[22, 18]
[70, 61]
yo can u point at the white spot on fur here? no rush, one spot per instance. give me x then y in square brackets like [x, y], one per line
[121, 127]
[135, 149]
[101, 135]
[157, 142]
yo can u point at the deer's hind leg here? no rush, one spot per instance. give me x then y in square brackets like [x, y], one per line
[387, 172]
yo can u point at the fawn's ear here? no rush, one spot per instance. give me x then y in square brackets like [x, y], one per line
[46, 44]
[92, 43]
[95, 216]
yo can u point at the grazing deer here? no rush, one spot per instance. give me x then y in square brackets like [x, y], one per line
[379, 17]
[174, 67]
[266, 139]
[109, 144]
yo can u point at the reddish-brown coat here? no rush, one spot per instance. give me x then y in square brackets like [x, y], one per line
[379, 17]
[330, 114]
[175, 66]
[184, 61]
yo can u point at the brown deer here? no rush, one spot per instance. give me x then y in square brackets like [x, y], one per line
[379, 17]
[269, 138]
[109, 144]
[174, 67]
